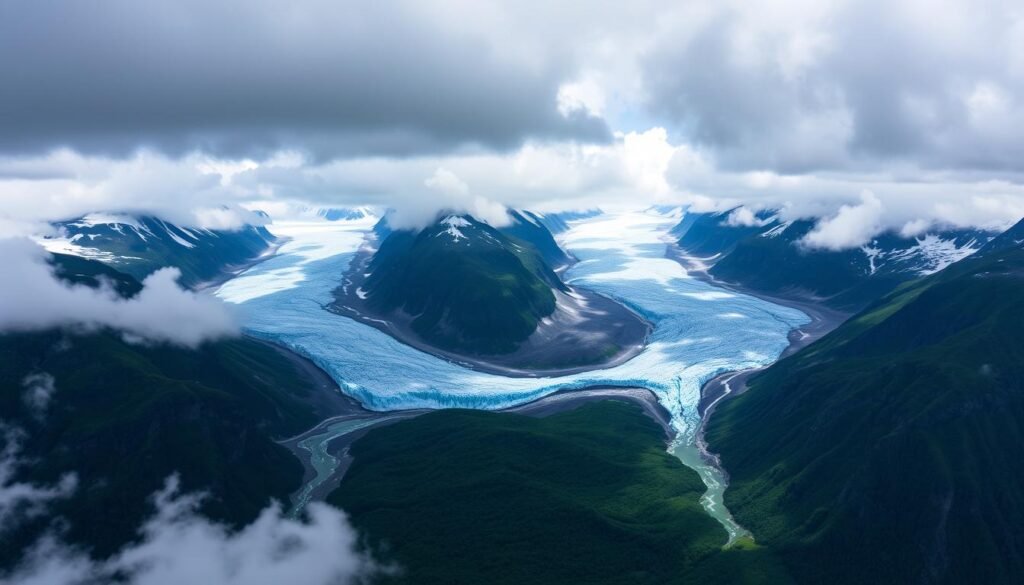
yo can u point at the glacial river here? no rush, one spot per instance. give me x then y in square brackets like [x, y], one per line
[699, 330]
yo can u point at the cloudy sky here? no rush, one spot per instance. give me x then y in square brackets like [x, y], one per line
[904, 113]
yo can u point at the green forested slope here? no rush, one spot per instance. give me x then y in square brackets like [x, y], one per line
[123, 417]
[587, 496]
[477, 291]
[889, 451]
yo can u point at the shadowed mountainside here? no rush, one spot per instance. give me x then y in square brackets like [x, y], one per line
[888, 452]
[123, 417]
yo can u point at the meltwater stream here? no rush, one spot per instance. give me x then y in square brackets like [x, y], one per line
[699, 332]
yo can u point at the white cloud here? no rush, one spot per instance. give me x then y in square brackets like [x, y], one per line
[20, 500]
[915, 227]
[177, 545]
[445, 192]
[191, 191]
[584, 95]
[447, 183]
[851, 226]
[161, 312]
[785, 87]
[646, 156]
[743, 217]
[719, 103]
[39, 390]
[637, 169]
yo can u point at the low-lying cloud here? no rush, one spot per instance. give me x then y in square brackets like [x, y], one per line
[39, 390]
[193, 191]
[162, 312]
[743, 217]
[20, 500]
[851, 226]
[178, 545]
[445, 192]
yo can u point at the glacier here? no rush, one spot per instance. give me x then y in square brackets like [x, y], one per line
[700, 330]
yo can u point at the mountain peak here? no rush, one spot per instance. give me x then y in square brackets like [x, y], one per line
[344, 213]
[138, 244]
[1011, 238]
[454, 223]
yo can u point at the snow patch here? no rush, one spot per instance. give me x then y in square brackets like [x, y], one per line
[178, 239]
[455, 222]
[777, 230]
[872, 254]
[935, 253]
[57, 245]
[95, 219]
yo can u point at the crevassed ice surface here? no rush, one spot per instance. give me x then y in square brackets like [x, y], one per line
[699, 332]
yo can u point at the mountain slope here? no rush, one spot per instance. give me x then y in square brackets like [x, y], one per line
[465, 285]
[712, 234]
[529, 227]
[486, 298]
[139, 245]
[558, 222]
[343, 213]
[1010, 239]
[889, 451]
[585, 496]
[78, 270]
[124, 417]
[768, 256]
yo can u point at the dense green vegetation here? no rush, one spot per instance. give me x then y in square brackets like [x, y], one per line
[124, 417]
[586, 496]
[76, 270]
[889, 451]
[481, 293]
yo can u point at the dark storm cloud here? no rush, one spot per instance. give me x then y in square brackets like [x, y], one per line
[248, 78]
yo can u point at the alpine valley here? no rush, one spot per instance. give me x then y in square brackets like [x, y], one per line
[605, 387]
[495, 292]
[491, 298]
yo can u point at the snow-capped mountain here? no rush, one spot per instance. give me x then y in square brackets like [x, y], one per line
[766, 254]
[467, 285]
[557, 223]
[465, 290]
[1011, 238]
[534, 228]
[344, 213]
[138, 245]
[924, 388]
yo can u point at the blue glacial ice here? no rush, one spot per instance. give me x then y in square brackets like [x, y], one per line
[699, 332]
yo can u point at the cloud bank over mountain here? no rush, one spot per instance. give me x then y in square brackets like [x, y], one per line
[181, 108]
[162, 312]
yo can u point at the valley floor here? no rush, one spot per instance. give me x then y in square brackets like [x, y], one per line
[823, 320]
[582, 495]
[699, 330]
[324, 449]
